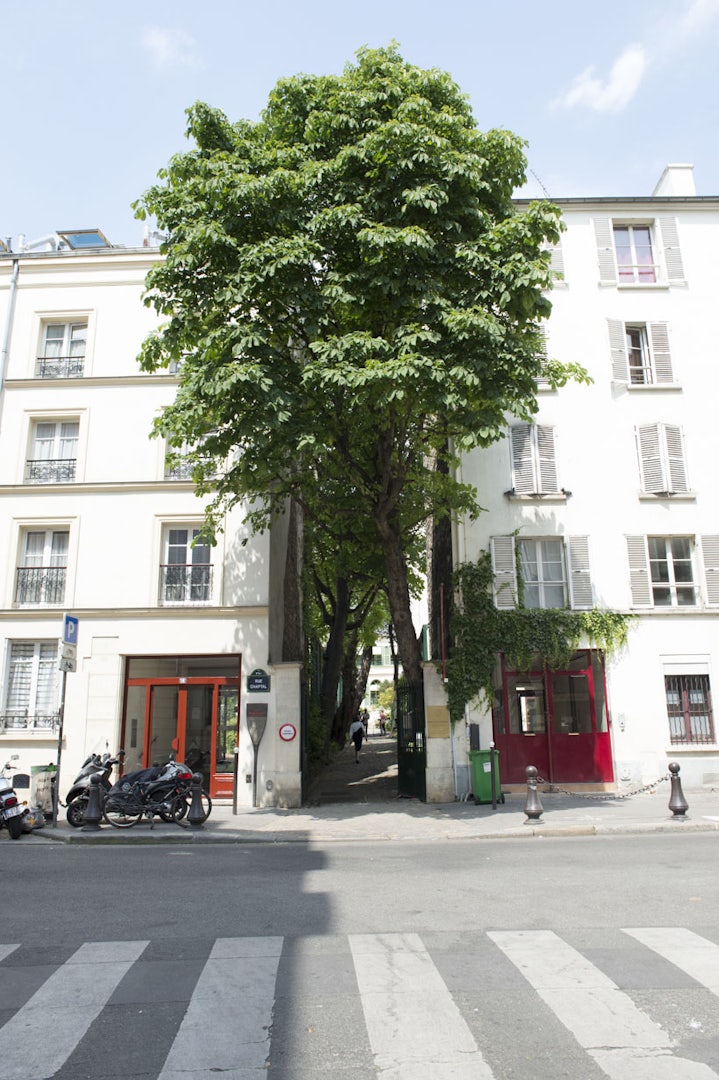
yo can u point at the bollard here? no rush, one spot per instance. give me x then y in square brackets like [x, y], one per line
[533, 806]
[677, 803]
[196, 816]
[93, 811]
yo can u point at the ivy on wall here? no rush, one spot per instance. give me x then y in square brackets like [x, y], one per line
[479, 631]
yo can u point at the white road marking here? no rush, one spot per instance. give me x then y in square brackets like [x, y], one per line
[5, 950]
[40, 1037]
[415, 1030]
[226, 1029]
[623, 1040]
[695, 955]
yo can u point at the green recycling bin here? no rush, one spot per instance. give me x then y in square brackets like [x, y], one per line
[481, 765]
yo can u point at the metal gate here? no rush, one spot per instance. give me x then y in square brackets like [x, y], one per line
[411, 745]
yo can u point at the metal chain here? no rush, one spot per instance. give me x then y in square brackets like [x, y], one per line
[605, 796]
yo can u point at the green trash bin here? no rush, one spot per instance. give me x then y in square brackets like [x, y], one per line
[481, 765]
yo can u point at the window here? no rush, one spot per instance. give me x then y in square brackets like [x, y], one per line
[32, 689]
[689, 708]
[661, 459]
[186, 574]
[62, 351]
[534, 466]
[53, 455]
[634, 253]
[43, 566]
[640, 353]
[635, 258]
[542, 568]
[554, 572]
[670, 563]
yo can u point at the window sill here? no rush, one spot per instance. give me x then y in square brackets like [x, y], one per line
[667, 496]
[538, 496]
[29, 734]
[693, 748]
[653, 388]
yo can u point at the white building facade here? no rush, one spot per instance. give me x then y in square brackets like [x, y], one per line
[177, 643]
[610, 500]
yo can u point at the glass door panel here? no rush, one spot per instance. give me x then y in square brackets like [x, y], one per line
[134, 745]
[226, 730]
[571, 707]
[198, 729]
[164, 706]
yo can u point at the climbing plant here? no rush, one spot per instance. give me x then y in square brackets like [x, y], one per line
[479, 632]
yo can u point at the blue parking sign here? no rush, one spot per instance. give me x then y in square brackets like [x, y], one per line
[69, 629]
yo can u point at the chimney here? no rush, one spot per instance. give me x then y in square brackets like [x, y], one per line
[676, 180]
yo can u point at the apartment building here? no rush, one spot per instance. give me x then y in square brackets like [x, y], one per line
[178, 644]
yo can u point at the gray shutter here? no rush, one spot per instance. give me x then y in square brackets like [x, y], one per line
[710, 554]
[639, 578]
[672, 253]
[543, 381]
[505, 572]
[651, 459]
[605, 250]
[618, 350]
[547, 458]
[520, 437]
[580, 581]
[661, 359]
[676, 462]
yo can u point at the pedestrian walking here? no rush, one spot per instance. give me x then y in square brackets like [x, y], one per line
[356, 735]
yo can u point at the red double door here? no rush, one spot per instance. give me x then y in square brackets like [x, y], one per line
[556, 720]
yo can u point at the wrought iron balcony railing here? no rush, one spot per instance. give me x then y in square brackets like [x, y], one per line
[56, 471]
[40, 584]
[59, 367]
[23, 722]
[186, 584]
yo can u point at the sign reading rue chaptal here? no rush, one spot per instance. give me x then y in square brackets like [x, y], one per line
[258, 682]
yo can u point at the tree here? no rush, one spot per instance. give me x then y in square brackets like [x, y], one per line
[354, 301]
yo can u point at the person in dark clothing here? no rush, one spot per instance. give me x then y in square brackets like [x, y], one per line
[356, 735]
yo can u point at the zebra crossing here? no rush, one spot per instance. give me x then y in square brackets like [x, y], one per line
[415, 1021]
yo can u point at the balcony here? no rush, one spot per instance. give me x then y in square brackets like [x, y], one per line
[59, 367]
[186, 584]
[14, 722]
[40, 584]
[53, 471]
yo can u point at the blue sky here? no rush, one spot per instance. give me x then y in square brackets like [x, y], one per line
[95, 93]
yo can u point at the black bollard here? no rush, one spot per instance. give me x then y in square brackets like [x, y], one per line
[196, 816]
[533, 806]
[93, 811]
[677, 803]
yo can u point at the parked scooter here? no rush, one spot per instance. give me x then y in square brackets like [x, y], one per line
[79, 794]
[163, 791]
[12, 811]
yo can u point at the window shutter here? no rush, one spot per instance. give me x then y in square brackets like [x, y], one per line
[543, 381]
[672, 253]
[547, 458]
[580, 581]
[618, 350]
[660, 352]
[556, 264]
[710, 553]
[675, 458]
[639, 571]
[605, 251]
[650, 458]
[505, 572]
[520, 437]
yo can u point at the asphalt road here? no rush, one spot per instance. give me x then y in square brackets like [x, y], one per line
[442, 961]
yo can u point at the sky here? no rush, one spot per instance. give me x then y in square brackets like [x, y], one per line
[605, 95]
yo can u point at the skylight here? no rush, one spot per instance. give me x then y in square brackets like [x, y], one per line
[83, 238]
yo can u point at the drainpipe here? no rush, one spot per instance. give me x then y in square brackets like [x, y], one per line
[7, 333]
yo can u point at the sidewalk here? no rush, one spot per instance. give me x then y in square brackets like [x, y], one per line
[358, 802]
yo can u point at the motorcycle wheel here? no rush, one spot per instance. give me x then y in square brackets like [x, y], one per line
[183, 804]
[170, 810]
[76, 811]
[14, 827]
[121, 812]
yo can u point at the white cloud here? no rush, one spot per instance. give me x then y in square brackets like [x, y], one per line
[170, 48]
[614, 92]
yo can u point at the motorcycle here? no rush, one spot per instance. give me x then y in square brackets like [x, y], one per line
[12, 811]
[79, 794]
[163, 791]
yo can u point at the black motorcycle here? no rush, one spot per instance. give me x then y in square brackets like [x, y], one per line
[79, 794]
[163, 791]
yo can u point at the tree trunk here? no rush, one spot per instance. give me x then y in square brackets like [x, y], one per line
[333, 658]
[400, 605]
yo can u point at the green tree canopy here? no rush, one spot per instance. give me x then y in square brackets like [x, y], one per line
[353, 298]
